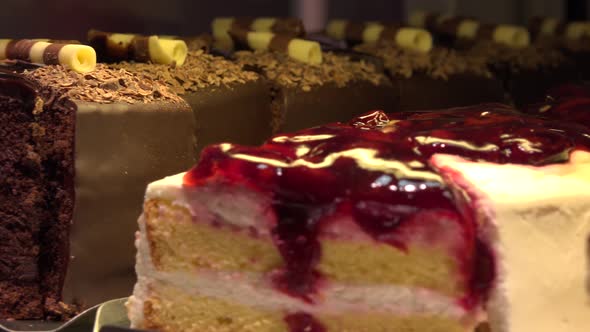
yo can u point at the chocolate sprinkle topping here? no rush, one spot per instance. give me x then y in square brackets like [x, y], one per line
[103, 85]
[439, 63]
[199, 71]
[531, 57]
[286, 72]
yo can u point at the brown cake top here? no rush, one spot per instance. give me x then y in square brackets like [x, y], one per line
[438, 63]
[103, 85]
[286, 72]
[530, 57]
[199, 71]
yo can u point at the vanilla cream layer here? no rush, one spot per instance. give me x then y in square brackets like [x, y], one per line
[537, 220]
[251, 289]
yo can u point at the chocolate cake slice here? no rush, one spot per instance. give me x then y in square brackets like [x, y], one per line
[440, 78]
[229, 104]
[36, 196]
[306, 95]
[78, 149]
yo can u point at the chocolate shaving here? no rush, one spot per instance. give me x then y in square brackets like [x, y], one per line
[199, 71]
[439, 63]
[103, 85]
[531, 57]
[286, 72]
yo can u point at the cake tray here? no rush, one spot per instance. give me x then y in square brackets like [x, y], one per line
[110, 316]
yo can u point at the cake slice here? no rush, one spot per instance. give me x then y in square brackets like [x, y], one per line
[75, 153]
[306, 95]
[383, 224]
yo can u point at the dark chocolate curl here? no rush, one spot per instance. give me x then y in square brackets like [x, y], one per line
[354, 32]
[289, 26]
[51, 54]
[19, 49]
[280, 43]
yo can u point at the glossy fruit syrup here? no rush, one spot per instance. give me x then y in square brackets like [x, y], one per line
[376, 169]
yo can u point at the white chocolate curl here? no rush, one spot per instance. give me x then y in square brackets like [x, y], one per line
[305, 51]
[577, 30]
[549, 26]
[467, 29]
[417, 19]
[513, 36]
[414, 39]
[220, 28]
[337, 29]
[299, 49]
[263, 24]
[372, 33]
[79, 58]
[260, 41]
[167, 51]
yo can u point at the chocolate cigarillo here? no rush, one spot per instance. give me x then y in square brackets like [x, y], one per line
[299, 49]
[79, 58]
[372, 32]
[221, 27]
[195, 43]
[120, 46]
[552, 27]
[509, 35]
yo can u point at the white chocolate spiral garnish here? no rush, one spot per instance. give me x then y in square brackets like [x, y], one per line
[123, 46]
[418, 18]
[167, 51]
[513, 36]
[577, 30]
[374, 32]
[221, 27]
[299, 49]
[337, 29]
[467, 29]
[414, 39]
[79, 58]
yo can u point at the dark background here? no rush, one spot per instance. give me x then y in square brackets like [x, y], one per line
[70, 19]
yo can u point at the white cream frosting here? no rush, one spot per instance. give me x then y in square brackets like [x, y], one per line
[537, 219]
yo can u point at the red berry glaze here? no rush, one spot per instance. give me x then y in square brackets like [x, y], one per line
[376, 169]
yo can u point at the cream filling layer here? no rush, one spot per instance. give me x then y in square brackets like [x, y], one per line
[253, 290]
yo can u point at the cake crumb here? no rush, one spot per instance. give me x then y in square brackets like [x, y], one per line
[38, 105]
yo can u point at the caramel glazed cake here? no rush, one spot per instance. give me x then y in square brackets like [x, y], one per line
[419, 221]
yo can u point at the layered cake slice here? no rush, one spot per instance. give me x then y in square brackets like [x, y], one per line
[78, 143]
[425, 77]
[408, 222]
[437, 79]
[305, 95]
[526, 70]
[229, 104]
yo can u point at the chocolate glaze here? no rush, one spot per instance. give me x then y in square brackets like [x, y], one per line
[421, 92]
[120, 148]
[529, 86]
[376, 169]
[239, 113]
[296, 109]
